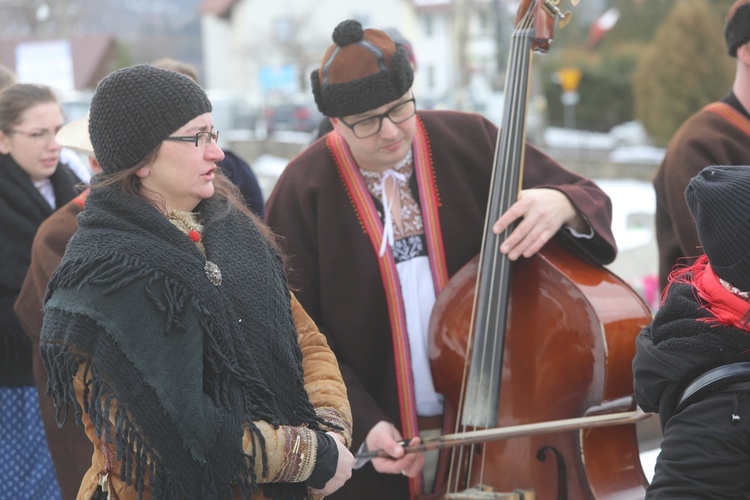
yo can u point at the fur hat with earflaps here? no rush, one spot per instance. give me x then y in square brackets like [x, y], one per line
[361, 71]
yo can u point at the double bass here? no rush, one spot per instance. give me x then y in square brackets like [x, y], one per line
[540, 340]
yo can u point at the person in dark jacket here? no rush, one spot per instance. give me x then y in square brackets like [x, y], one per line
[691, 364]
[68, 445]
[375, 218]
[33, 183]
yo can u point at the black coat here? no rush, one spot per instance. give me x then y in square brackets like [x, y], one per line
[22, 210]
[239, 172]
[704, 453]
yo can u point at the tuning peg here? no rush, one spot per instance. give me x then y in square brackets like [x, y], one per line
[574, 3]
[563, 18]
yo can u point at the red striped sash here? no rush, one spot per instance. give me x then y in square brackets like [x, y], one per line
[370, 220]
[730, 114]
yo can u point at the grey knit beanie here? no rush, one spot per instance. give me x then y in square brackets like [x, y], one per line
[136, 108]
[718, 199]
[361, 71]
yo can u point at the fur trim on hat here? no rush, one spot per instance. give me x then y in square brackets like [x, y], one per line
[362, 71]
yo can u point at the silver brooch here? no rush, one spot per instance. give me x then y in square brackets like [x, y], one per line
[213, 273]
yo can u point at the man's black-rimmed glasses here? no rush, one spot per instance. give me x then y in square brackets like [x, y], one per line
[372, 125]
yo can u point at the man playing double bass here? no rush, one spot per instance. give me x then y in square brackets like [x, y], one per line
[376, 216]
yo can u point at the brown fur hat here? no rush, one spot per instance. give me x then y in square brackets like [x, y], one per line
[361, 71]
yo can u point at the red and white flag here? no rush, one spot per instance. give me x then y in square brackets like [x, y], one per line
[601, 26]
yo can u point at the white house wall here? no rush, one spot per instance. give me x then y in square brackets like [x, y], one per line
[236, 50]
[433, 51]
[250, 44]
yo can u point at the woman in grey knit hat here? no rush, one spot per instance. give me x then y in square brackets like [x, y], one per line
[169, 326]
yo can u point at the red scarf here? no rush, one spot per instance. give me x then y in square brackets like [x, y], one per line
[724, 307]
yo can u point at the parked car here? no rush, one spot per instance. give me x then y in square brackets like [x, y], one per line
[295, 117]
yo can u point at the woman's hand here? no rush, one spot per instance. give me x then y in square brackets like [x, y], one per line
[343, 467]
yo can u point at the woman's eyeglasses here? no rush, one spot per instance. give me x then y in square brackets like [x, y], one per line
[201, 139]
[38, 135]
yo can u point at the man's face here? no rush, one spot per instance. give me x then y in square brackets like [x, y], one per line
[390, 144]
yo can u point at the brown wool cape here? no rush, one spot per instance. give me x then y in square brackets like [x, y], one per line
[705, 139]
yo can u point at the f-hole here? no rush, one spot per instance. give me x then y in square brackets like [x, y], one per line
[562, 475]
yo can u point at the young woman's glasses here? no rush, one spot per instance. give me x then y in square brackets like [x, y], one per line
[38, 135]
[372, 125]
[201, 139]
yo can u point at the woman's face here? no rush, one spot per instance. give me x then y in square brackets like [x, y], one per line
[182, 174]
[31, 142]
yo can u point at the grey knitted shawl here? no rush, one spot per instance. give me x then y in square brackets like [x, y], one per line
[187, 365]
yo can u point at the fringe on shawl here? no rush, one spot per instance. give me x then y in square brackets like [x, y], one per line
[138, 460]
[117, 271]
[140, 464]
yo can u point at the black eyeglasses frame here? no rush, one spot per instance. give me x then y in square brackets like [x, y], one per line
[194, 138]
[381, 117]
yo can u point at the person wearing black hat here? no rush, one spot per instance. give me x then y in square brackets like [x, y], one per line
[692, 363]
[376, 217]
[169, 327]
[718, 134]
